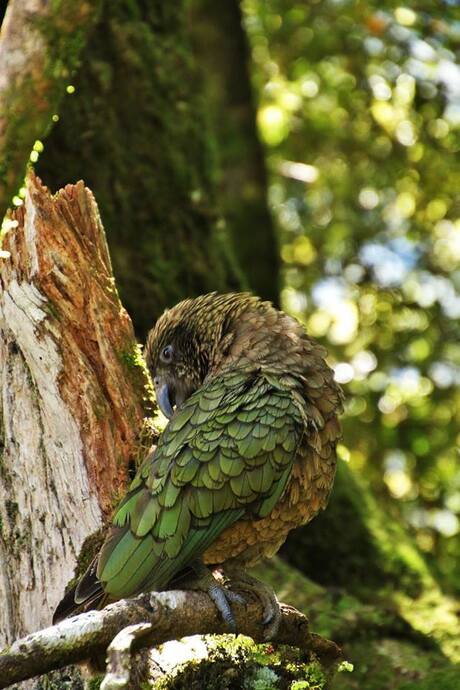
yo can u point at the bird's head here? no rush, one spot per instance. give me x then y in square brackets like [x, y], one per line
[186, 343]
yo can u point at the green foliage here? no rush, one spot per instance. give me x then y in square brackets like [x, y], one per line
[359, 111]
[66, 679]
[137, 369]
[345, 666]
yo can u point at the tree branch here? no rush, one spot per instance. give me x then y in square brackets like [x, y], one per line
[172, 615]
[119, 656]
[40, 44]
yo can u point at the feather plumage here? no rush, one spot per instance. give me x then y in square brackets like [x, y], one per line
[248, 455]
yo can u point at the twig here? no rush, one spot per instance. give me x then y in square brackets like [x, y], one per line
[119, 656]
[172, 615]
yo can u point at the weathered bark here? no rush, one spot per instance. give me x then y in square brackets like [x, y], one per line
[40, 45]
[171, 615]
[136, 130]
[71, 404]
[223, 57]
[119, 656]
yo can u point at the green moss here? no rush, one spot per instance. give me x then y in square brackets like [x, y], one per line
[238, 662]
[64, 29]
[136, 368]
[51, 309]
[133, 357]
[12, 510]
[17, 540]
[94, 683]
[261, 678]
[65, 679]
[65, 34]
[389, 640]
[388, 664]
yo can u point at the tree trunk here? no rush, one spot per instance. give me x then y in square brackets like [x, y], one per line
[223, 58]
[40, 45]
[136, 130]
[72, 398]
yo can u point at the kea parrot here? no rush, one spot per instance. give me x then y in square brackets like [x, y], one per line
[249, 453]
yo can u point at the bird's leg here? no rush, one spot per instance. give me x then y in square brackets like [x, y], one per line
[222, 597]
[240, 579]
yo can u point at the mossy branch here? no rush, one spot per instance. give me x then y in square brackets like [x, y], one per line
[171, 615]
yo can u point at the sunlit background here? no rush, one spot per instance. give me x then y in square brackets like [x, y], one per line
[359, 111]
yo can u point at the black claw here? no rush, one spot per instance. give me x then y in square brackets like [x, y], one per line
[269, 616]
[271, 609]
[231, 625]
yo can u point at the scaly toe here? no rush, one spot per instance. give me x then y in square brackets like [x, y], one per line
[223, 599]
[269, 615]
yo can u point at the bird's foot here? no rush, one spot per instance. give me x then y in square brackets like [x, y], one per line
[241, 580]
[222, 597]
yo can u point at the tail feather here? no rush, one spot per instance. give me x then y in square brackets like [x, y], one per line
[89, 585]
[85, 595]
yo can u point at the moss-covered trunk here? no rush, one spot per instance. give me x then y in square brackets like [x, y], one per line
[40, 47]
[136, 130]
[223, 58]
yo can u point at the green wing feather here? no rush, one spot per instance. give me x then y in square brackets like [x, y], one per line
[227, 453]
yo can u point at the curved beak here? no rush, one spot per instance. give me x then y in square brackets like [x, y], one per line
[164, 400]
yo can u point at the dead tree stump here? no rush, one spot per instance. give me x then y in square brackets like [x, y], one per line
[72, 398]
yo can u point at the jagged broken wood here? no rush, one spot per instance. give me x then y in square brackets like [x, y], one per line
[171, 615]
[71, 398]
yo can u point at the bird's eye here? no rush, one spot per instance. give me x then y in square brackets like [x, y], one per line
[167, 354]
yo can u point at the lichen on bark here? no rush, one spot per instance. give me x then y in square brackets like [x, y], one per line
[226, 662]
